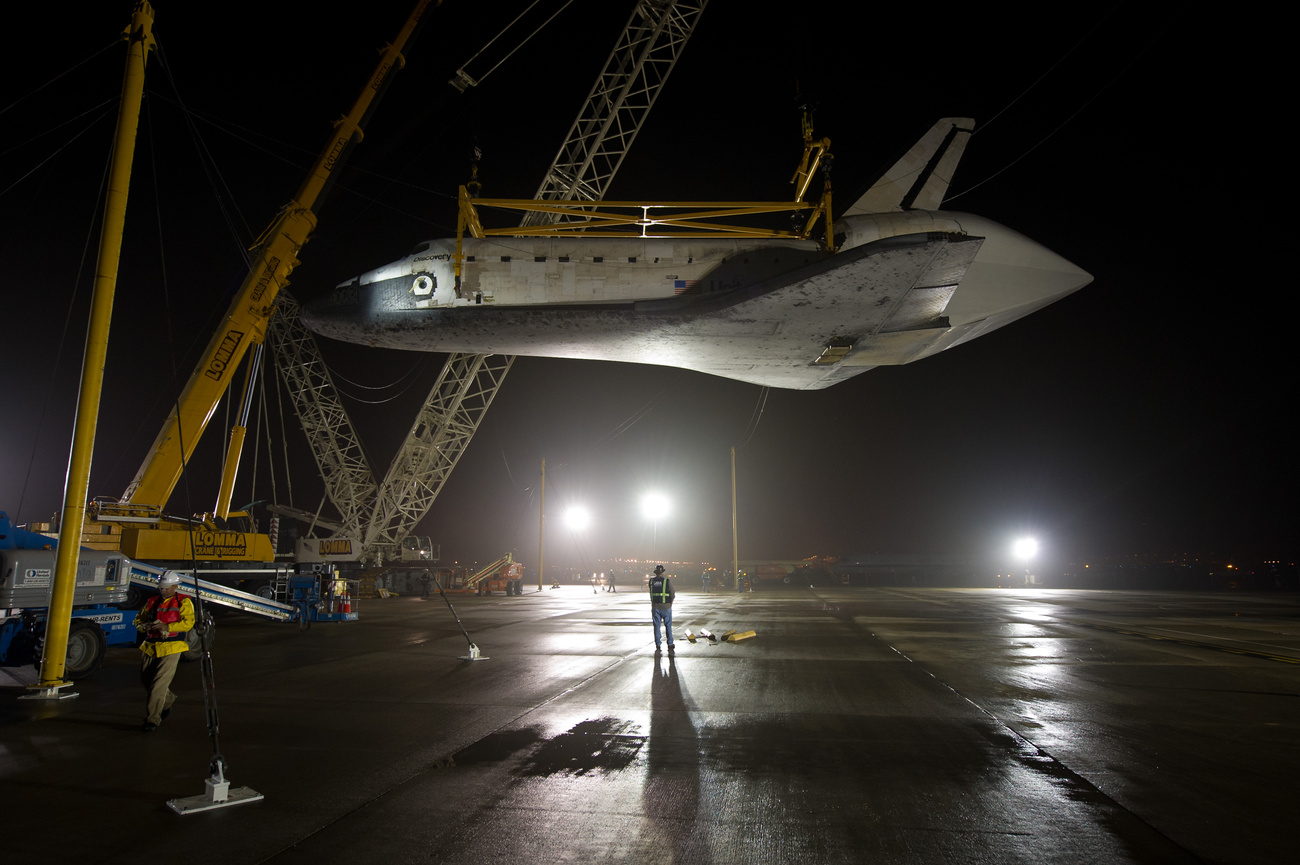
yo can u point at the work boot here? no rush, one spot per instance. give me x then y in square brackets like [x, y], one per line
[148, 727]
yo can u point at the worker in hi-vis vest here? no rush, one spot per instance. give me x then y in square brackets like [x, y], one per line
[661, 606]
[163, 619]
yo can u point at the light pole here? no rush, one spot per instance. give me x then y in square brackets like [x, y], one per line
[541, 531]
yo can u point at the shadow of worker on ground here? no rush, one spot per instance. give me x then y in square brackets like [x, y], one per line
[671, 790]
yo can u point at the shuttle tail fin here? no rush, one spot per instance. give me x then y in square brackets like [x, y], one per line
[920, 179]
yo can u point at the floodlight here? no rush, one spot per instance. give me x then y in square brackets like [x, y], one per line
[577, 518]
[655, 506]
[1025, 548]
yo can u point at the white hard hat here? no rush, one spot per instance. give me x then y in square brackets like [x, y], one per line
[169, 579]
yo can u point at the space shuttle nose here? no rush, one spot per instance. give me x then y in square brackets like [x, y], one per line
[331, 313]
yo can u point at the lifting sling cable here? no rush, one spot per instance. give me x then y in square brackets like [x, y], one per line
[109, 107]
[65, 73]
[462, 77]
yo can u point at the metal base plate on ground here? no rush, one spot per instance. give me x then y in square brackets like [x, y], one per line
[53, 692]
[217, 794]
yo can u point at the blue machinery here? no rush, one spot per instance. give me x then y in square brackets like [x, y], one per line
[110, 587]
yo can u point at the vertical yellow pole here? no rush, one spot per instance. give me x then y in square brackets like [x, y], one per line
[541, 530]
[735, 537]
[140, 38]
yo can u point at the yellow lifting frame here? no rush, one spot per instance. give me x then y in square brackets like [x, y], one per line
[636, 219]
[651, 219]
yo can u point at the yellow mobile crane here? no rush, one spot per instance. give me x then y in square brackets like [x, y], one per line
[136, 524]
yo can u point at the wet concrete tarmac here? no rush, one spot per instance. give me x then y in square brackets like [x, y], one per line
[860, 725]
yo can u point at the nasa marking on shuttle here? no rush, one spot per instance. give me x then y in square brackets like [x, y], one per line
[219, 544]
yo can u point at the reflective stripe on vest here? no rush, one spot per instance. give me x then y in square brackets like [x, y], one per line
[659, 595]
[169, 613]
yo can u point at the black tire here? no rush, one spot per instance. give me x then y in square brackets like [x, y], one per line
[135, 598]
[265, 590]
[86, 647]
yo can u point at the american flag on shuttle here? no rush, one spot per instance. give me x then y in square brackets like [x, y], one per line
[684, 286]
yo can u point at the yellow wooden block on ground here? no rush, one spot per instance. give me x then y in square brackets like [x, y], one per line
[743, 635]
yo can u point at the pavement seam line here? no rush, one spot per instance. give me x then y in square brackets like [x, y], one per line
[1081, 779]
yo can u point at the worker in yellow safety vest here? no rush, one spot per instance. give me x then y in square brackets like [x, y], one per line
[163, 620]
[661, 606]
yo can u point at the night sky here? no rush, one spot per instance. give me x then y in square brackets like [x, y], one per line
[1146, 414]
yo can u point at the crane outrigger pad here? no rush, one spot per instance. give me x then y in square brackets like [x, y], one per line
[217, 793]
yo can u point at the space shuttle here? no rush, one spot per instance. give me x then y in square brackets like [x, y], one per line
[907, 280]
